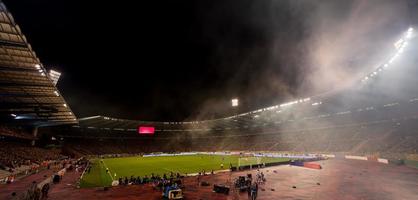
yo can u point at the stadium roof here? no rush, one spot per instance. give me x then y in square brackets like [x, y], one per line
[28, 94]
[261, 119]
[256, 118]
[301, 110]
[108, 123]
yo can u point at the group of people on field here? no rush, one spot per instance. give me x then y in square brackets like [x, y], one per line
[157, 180]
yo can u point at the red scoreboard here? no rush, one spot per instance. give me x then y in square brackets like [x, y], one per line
[146, 130]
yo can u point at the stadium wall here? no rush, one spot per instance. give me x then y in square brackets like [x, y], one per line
[171, 154]
[355, 157]
[368, 158]
[245, 167]
[382, 160]
[411, 163]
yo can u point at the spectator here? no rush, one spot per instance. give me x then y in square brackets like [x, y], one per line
[45, 190]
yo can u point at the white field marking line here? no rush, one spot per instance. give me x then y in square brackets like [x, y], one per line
[85, 169]
[110, 174]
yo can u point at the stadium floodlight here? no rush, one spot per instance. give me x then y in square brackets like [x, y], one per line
[392, 59]
[408, 33]
[398, 43]
[234, 102]
[400, 47]
[317, 103]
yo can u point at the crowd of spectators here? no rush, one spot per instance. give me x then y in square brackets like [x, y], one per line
[360, 129]
[15, 133]
[16, 154]
[386, 137]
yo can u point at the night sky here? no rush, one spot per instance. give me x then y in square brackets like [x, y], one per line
[173, 60]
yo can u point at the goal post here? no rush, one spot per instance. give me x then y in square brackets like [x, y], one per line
[249, 161]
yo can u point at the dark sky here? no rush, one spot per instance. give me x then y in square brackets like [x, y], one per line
[170, 60]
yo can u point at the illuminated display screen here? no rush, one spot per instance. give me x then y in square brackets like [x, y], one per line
[146, 130]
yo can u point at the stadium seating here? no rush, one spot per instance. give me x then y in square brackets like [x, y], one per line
[15, 132]
[17, 154]
[386, 138]
[372, 119]
[388, 131]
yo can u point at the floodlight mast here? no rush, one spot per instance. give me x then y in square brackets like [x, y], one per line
[234, 102]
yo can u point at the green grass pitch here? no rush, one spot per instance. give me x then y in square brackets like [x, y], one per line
[141, 166]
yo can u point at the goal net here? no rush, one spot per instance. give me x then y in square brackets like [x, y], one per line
[248, 161]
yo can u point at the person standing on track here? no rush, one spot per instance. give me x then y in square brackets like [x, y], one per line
[45, 190]
[254, 191]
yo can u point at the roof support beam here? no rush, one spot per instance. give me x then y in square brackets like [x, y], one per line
[6, 84]
[13, 44]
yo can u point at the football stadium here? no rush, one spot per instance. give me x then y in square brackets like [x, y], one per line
[209, 100]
